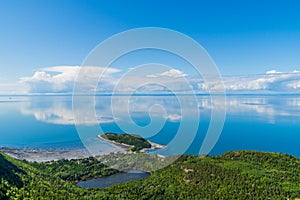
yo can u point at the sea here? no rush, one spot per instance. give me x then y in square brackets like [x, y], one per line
[46, 127]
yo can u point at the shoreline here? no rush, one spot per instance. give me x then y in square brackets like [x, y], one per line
[125, 146]
[44, 155]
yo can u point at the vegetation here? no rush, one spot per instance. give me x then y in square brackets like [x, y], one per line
[233, 175]
[75, 170]
[136, 161]
[21, 180]
[136, 141]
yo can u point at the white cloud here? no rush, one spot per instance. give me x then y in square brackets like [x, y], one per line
[174, 118]
[60, 79]
[273, 71]
[294, 85]
[174, 73]
[271, 81]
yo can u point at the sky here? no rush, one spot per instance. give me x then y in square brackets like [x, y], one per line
[246, 39]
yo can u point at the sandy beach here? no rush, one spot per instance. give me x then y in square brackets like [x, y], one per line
[43, 155]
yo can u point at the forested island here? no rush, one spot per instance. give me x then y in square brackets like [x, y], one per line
[233, 175]
[131, 142]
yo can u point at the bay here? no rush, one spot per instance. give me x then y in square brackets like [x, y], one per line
[253, 122]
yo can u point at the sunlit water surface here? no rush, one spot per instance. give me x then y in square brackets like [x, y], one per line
[46, 123]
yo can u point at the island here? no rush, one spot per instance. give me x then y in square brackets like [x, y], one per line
[131, 142]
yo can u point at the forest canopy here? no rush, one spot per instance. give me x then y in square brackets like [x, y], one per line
[233, 175]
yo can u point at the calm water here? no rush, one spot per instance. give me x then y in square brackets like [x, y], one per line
[113, 179]
[266, 123]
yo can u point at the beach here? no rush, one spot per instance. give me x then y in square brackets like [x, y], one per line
[43, 155]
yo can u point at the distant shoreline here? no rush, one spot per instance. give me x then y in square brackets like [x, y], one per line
[43, 155]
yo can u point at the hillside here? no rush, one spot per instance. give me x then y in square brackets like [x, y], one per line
[233, 175]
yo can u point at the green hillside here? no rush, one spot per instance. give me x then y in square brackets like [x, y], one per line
[233, 175]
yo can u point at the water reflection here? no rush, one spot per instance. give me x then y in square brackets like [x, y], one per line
[58, 110]
[269, 123]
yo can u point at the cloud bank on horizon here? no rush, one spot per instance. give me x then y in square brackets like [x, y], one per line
[60, 79]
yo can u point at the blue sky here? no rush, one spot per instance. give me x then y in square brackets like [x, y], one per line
[242, 37]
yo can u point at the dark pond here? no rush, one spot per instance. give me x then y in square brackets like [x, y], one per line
[113, 179]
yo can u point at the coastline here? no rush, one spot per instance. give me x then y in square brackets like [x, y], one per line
[44, 155]
[124, 146]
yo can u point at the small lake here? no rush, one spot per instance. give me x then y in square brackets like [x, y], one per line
[113, 179]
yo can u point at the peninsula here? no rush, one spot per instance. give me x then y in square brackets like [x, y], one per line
[130, 142]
